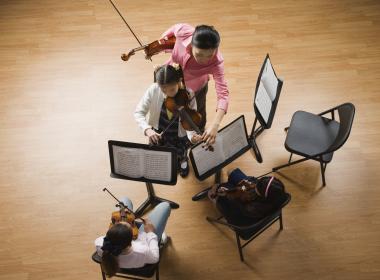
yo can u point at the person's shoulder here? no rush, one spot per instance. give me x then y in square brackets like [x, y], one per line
[154, 89]
[139, 248]
[183, 30]
[99, 241]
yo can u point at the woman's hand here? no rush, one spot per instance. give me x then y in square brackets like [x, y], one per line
[196, 138]
[153, 136]
[209, 135]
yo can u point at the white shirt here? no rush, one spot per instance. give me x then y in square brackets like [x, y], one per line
[144, 250]
[151, 103]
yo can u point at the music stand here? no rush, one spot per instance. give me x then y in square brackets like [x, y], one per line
[145, 163]
[264, 108]
[232, 142]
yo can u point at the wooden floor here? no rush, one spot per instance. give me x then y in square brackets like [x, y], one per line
[64, 92]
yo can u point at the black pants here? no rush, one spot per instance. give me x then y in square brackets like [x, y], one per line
[200, 97]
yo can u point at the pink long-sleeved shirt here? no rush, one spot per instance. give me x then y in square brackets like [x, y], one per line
[197, 75]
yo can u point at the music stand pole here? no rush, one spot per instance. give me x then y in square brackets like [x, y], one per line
[153, 200]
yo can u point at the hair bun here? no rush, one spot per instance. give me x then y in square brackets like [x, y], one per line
[111, 248]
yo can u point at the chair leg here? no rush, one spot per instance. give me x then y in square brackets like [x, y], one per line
[289, 164]
[158, 273]
[323, 168]
[281, 225]
[103, 275]
[239, 247]
[290, 157]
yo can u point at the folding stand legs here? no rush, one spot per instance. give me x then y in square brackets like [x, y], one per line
[203, 194]
[252, 141]
[153, 200]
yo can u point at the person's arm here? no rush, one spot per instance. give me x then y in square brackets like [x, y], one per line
[179, 30]
[169, 32]
[142, 110]
[153, 253]
[222, 104]
[98, 245]
[209, 135]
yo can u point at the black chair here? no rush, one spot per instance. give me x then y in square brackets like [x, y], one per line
[146, 271]
[317, 137]
[250, 232]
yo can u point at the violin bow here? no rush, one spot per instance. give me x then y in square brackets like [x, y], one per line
[126, 23]
[121, 203]
[170, 124]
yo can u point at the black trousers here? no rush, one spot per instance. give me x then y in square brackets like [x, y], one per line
[200, 97]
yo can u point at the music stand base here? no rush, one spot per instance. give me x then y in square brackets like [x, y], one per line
[152, 201]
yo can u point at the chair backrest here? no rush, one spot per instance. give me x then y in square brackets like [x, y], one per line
[147, 270]
[346, 113]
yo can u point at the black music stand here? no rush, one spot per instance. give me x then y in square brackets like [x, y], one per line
[126, 156]
[264, 119]
[242, 137]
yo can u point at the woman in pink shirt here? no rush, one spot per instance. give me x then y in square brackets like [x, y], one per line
[196, 50]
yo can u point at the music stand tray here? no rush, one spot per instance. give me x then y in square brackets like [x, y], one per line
[145, 163]
[232, 142]
[264, 111]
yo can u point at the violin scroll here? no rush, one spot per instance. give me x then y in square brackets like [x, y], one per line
[152, 48]
[126, 56]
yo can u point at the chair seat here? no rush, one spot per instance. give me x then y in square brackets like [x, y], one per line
[147, 270]
[246, 234]
[310, 135]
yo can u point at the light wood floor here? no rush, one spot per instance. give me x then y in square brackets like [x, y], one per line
[64, 92]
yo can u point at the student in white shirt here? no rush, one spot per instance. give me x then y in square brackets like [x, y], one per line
[118, 250]
[169, 82]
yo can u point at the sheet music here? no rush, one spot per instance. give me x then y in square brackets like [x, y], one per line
[128, 162]
[263, 102]
[234, 138]
[157, 165]
[229, 142]
[269, 80]
[206, 160]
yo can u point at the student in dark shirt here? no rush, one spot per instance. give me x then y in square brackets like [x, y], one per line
[244, 199]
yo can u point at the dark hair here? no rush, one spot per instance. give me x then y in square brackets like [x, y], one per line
[117, 239]
[167, 74]
[205, 37]
[276, 190]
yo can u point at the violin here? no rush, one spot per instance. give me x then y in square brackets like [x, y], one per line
[153, 48]
[241, 192]
[124, 215]
[190, 118]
